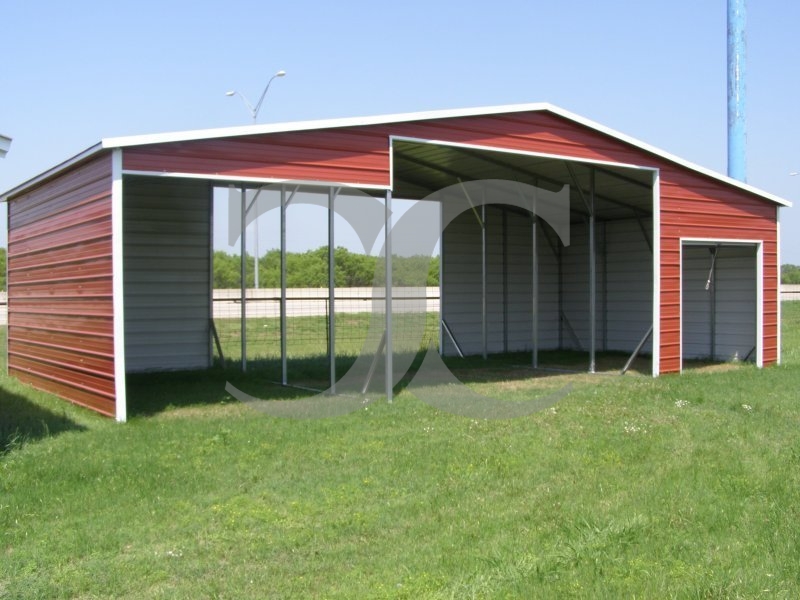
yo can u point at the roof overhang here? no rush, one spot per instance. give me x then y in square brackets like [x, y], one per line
[228, 132]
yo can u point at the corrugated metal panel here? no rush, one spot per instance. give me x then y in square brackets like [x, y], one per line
[167, 233]
[735, 298]
[60, 336]
[629, 280]
[360, 155]
[693, 206]
[509, 291]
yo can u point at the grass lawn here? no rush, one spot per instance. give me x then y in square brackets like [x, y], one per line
[630, 487]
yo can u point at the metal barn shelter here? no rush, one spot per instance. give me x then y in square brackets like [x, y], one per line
[663, 253]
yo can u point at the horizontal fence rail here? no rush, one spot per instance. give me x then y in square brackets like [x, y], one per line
[265, 302]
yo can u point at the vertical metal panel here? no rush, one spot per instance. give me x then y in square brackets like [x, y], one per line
[629, 282]
[461, 285]
[60, 312]
[167, 273]
[695, 303]
[575, 285]
[719, 322]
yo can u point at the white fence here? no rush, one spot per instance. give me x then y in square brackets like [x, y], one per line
[790, 292]
[313, 302]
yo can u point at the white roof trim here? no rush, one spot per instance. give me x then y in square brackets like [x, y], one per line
[181, 136]
[667, 156]
[203, 134]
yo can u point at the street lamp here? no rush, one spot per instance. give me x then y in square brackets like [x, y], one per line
[254, 113]
[5, 144]
[254, 109]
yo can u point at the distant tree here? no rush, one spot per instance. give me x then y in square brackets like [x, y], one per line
[790, 274]
[310, 269]
[3, 269]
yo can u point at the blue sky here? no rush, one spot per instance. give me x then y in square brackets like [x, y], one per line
[75, 72]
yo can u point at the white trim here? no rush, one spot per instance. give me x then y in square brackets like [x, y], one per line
[204, 134]
[759, 244]
[760, 305]
[229, 179]
[121, 402]
[704, 241]
[656, 355]
[589, 161]
[778, 261]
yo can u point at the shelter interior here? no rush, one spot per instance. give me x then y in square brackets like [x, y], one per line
[509, 282]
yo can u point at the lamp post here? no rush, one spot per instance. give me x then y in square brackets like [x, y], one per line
[255, 109]
[5, 144]
[254, 113]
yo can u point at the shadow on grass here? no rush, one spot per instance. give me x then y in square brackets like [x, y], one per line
[152, 393]
[22, 421]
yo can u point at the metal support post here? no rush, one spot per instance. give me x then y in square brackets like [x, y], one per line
[560, 258]
[592, 280]
[484, 330]
[505, 280]
[535, 291]
[387, 233]
[331, 291]
[284, 361]
[441, 279]
[243, 289]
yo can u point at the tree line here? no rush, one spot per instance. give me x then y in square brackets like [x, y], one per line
[790, 274]
[310, 269]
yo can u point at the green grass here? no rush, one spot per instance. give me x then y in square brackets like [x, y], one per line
[307, 337]
[679, 487]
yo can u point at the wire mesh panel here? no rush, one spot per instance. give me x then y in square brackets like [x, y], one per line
[327, 333]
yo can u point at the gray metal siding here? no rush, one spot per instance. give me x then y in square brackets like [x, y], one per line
[575, 289]
[167, 273]
[509, 291]
[624, 292]
[629, 280]
[735, 322]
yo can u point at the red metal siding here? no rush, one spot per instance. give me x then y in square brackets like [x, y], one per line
[695, 206]
[60, 309]
[360, 155]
